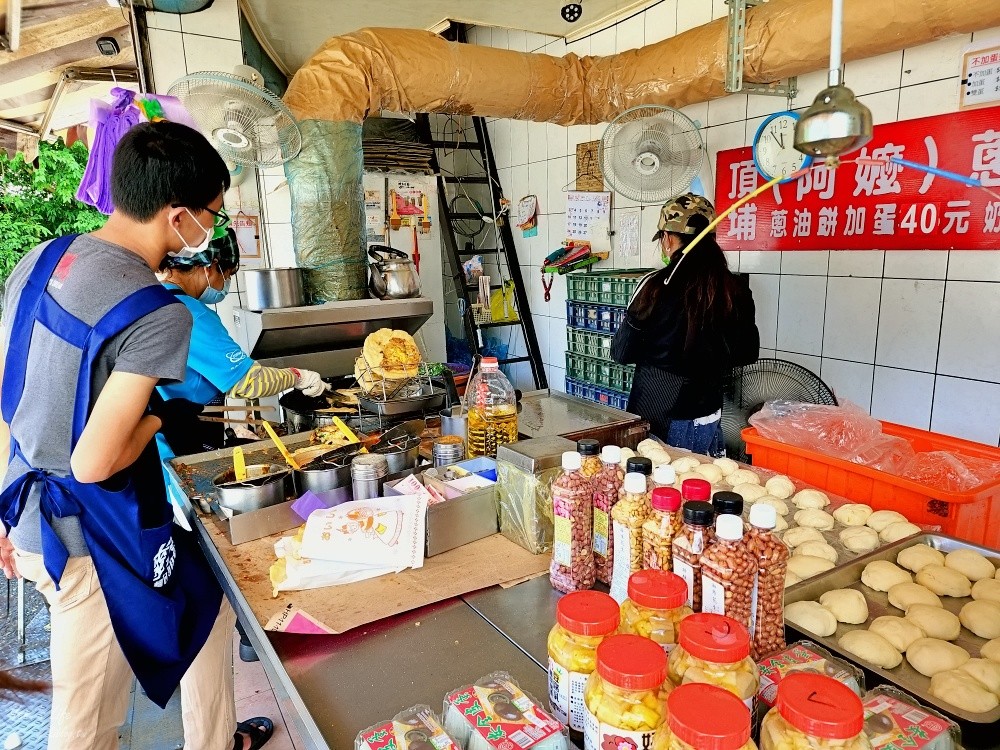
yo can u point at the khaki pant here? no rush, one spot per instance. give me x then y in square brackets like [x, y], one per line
[91, 681]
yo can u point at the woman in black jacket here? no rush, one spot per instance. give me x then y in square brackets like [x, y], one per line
[686, 327]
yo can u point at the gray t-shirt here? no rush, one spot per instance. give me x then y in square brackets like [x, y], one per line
[93, 277]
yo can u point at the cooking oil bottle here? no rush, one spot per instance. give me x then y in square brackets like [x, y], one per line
[492, 408]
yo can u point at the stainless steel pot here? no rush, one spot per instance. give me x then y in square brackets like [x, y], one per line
[264, 486]
[270, 288]
[401, 456]
[327, 473]
[392, 274]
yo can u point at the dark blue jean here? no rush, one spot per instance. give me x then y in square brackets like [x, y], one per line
[702, 438]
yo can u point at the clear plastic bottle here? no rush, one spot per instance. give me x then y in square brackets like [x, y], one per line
[767, 630]
[628, 516]
[702, 716]
[641, 465]
[696, 489]
[727, 503]
[814, 712]
[492, 408]
[572, 566]
[689, 544]
[583, 620]
[729, 572]
[607, 490]
[664, 476]
[661, 527]
[590, 450]
[656, 604]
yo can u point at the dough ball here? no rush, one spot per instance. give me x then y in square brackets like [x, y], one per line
[899, 530]
[859, 538]
[871, 647]
[710, 472]
[997, 573]
[780, 506]
[791, 579]
[682, 478]
[943, 581]
[962, 691]
[807, 566]
[852, 514]
[991, 650]
[817, 549]
[982, 618]
[818, 519]
[685, 464]
[727, 465]
[919, 555]
[649, 447]
[937, 622]
[899, 631]
[627, 453]
[810, 499]
[882, 518]
[749, 492]
[985, 672]
[780, 524]
[882, 575]
[742, 476]
[987, 589]
[971, 564]
[799, 535]
[780, 486]
[931, 655]
[811, 616]
[905, 595]
[847, 605]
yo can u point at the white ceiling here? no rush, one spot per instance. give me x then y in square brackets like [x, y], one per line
[296, 28]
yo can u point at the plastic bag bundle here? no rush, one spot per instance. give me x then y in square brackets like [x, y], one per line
[943, 470]
[416, 728]
[110, 123]
[838, 431]
[886, 453]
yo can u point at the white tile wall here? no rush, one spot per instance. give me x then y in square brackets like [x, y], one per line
[967, 408]
[801, 308]
[849, 380]
[909, 324]
[852, 310]
[903, 396]
[970, 331]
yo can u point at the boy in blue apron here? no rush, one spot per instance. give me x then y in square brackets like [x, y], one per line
[87, 333]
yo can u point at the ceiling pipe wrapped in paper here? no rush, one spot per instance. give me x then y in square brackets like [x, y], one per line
[403, 70]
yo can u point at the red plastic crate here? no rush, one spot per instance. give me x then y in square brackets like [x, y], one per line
[973, 515]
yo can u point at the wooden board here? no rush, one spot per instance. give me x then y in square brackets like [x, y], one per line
[589, 176]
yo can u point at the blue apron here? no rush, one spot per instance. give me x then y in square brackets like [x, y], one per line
[162, 597]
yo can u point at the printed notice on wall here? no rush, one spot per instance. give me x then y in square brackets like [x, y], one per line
[980, 76]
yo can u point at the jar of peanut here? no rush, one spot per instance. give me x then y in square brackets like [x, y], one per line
[572, 565]
[696, 489]
[583, 620]
[628, 516]
[715, 649]
[626, 695]
[704, 717]
[689, 544]
[767, 627]
[664, 476]
[727, 503]
[656, 604]
[661, 527]
[607, 489]
[814, 712]
[590, 451]
[641, 465]
[728, 572]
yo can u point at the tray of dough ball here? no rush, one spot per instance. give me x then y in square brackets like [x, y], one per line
[923, 613]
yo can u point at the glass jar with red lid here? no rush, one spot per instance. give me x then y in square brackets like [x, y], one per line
[704, 717]
[625, 697]
[583, 620]
[715, 649]
[816, 712]
[656, 604]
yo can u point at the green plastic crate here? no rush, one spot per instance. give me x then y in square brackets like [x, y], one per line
[589, 343]
[598, 372]
[604, 288]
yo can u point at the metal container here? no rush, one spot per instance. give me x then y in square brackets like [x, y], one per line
[264, 487]
[368, 473]
[327, 473]
[271, 288]
[392, 274]
[448, 449]
[455, 421]
[400, 456]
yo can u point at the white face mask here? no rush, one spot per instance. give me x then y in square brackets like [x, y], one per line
[189, 251]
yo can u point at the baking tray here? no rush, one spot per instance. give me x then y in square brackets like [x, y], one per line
[431, 398]
[904, 676]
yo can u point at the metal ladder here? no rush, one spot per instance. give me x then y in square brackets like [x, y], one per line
[505, 252]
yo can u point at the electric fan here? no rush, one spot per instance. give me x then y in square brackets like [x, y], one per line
[248, 125]
[749, 388]
[651, 154]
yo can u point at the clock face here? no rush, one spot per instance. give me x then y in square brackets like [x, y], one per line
[773, 150]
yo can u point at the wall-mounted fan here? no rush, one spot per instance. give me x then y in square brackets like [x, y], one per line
[749, 388]
[247, 124]
[651, 154]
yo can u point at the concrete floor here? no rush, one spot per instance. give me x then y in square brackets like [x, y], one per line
[147, 726]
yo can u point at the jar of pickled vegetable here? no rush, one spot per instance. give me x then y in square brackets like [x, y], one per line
[704, 717]
[583, 620]
[628, 516]
[590, 451]
[607, 488]
[814, 712]
[715, 649]
[656, 604]
[659, 530]
[625, 697]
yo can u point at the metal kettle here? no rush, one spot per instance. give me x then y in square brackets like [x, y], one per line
[392, 274]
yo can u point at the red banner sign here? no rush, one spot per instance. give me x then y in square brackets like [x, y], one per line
[875, 206]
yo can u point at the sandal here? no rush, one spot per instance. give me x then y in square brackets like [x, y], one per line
[259, 730]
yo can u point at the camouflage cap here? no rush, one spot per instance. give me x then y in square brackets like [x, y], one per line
[676, 214]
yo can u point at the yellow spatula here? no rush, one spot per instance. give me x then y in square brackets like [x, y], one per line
[345, 430]
[281, 446]
[239, 464]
